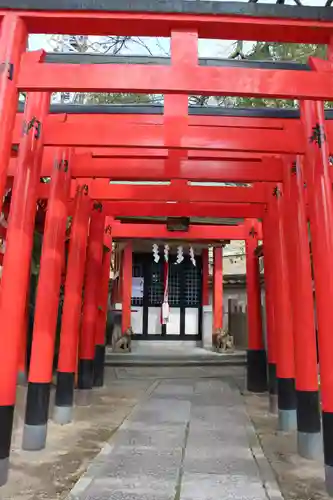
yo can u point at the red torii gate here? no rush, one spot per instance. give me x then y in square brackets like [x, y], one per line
[217, 133]
[194, 233]
[101, 189]
[219, 170]
[251, 231]
[182, 77]
[200, 209]
[36, 75]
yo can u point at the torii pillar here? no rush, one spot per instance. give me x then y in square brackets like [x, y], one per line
[17, 259]
[126, 286]
[205, 277]
[90, 303]
[47, 306]
[301, 296]
[102, 310]
[13, 43]
[269, 277]
[283, 317]
[72, 308]
[217, 292]
[320, 202]
[256, 353]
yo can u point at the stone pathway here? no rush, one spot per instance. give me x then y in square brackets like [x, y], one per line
[187, 440]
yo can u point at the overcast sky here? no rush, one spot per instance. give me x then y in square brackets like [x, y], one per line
[207, 48]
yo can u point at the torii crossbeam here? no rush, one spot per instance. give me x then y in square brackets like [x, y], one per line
[179, 141]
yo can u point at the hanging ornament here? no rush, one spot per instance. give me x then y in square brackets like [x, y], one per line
[165, 309]
[156, 253]
[192, 257]
[166, 253]
[180, 255]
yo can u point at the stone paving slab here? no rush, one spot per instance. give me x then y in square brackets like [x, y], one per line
[169, 407]
[219, 487]
[175, 446]
[163, 438]
[174, 390]
[222, 465]
[159, 412]
[214, 439]
[215, 424]
[131, 488]
[139, 425]
[129, 461]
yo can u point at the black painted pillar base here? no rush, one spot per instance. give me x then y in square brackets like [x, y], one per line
[64, 398]
[309, 441]
[86, 374]
[98, 380]
[328, 450]
[256, 370]
[287, 404]
[85, 382]
[36, 416]
[272, 388]
[6, 428]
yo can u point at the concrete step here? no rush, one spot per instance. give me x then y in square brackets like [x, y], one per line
[206, 359]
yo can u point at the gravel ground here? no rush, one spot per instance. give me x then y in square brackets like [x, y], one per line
[50, 474]
[299, 479]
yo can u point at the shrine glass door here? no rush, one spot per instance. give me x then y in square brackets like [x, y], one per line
[184, 298]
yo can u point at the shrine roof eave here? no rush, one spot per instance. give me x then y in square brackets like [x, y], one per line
[95, 58]
[210, 19]
[198, 221]
[174, 7]
[153, 109]
[209, 233]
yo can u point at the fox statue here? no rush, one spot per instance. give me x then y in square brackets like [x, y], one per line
[223, 340]
[121, 342]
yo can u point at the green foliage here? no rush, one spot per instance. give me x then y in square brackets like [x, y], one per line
[272, 51]
[260, 102]
[119, 98]
[296, 52]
